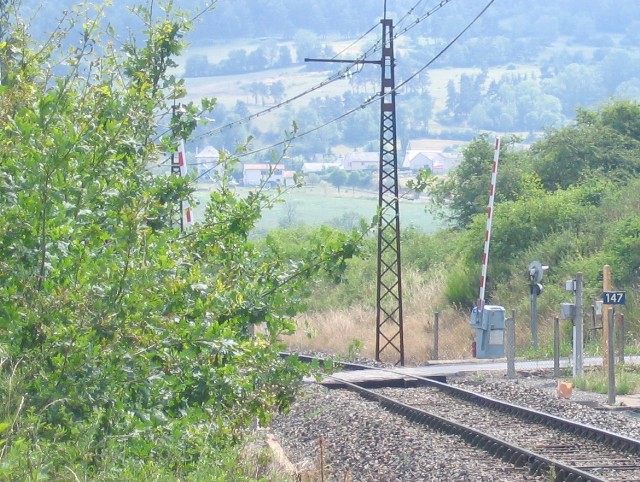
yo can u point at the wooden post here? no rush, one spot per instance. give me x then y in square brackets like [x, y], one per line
[436, 330]
[511, 345]
[621, 329]
[606, 286]
[556, 347]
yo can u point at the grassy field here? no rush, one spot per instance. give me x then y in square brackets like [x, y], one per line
[325, 205]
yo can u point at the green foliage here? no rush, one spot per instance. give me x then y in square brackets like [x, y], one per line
[353, 350]
[464, 192]
[627, 379]
[460, 288]
[605, 141]
[551, 225]
[338, 178]
[622, 248]
[127, 346]
[424, 252]
[572, 204]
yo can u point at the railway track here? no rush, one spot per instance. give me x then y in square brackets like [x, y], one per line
[547, 445]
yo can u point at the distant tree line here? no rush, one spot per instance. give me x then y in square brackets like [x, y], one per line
[521, 102]
[240, 61]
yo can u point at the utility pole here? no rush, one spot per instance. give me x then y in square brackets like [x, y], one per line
[389, 323]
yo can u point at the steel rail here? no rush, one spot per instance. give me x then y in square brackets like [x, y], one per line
[506, 451]
[587, 431]
[500, 449]
[584, 430]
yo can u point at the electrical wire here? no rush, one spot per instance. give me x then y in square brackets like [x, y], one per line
[341, 74]
[421, 18]
[446, 47]
[406, 15]
[374, 97]
[337, 76]
[355, 42]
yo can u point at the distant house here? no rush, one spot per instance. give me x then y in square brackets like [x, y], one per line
[357, 161]
[269, 174]
[431, 155]
[207, 161]
[310, 167]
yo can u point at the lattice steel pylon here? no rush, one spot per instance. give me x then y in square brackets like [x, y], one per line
[389, 329]
[389, 324]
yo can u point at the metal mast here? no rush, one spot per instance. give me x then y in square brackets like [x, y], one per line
[389, 326]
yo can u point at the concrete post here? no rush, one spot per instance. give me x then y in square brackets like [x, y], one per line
[611, 390]
[436, 330]
[579, 324]
[556, 347]
[534, 317]
[510, 325]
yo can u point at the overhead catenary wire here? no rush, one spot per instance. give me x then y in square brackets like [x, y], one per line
[446, 47]
[352, 44]
[373, 98]
[408, 14]
[340, 75]
[421, 18]
[335, 77]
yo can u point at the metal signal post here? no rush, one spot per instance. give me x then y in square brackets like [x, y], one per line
[389, 323]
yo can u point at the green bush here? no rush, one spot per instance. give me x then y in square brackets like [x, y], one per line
[459, 289]
[127, 344]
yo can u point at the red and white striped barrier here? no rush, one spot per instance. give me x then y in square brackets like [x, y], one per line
[487, 234]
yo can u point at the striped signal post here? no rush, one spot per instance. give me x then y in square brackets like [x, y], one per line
[186, 212]
[487, 234]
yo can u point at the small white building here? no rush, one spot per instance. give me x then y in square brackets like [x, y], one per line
[207, 161]
[310, 167]
[431, 155]
[358, 161]
[271, 174]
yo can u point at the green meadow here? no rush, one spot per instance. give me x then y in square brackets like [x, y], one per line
[325, 205]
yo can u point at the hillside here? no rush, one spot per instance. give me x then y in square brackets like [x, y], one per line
[521, 67]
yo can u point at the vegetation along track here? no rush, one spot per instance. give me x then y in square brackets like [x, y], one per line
[546, 444]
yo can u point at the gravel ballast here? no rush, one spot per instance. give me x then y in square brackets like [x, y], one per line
[356, 440]
[540, 393]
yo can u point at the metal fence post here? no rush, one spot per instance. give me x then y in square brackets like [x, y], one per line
[436, 330]
[556, 347]
[579, 323]
[511, 345]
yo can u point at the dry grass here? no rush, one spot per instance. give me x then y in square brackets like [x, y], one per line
[345, 332]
